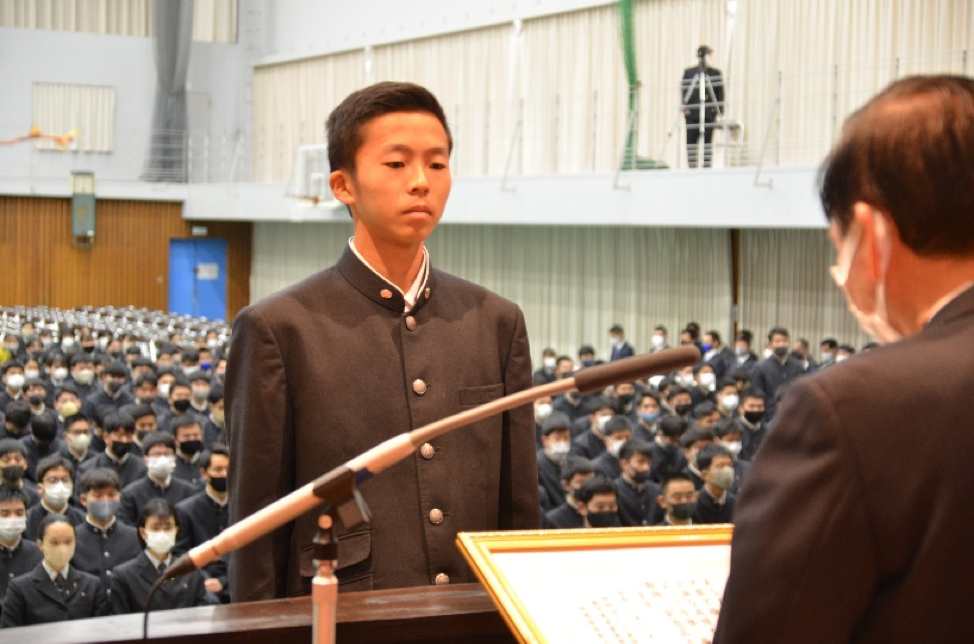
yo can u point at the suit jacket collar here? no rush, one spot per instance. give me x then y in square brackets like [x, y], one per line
[374, 287]
[42, 581]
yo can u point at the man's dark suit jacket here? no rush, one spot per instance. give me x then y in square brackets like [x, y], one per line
[33, 599]
[620, 352]
[132, 581]
[330, 367]
[854, 523]
[136, 495]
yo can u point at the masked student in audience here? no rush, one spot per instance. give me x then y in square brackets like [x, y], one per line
[546, 373]
[159, 456]
[77, 437]
[658, 339]
[55, 476]
[588, 433]
[204, 515]
[13, 466]
[190, 450]
[200, 393]
[121, 453]
[542, 410]
[219, 370]
[158, 528]
[16, 420]
[190, 361]
[55, 590]
[35, 391]
[67, 402]
[112, 378]
[727, 398]
[776, 370]
[744, 357]
[166, 377]
[617, 431]
[637, 494]
[703, 385]
[648, 413]
[678, 500]
[624, 398]
[556, 442]
[13, 379]
[103, 540]
[180, 404]
[716, 354]
[597, 500]
[844, 352]
[145, 424]
[574, 472]
[801, 351]
[572, 402]
[827, 349]
[41, 442]
[679, 401]
[730, 435]
[667, 456]
[692, 441]
[215, 424]
[18, 553]
[752, 420]
[716, 502]
[83, 376]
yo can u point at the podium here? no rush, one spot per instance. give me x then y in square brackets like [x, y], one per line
[462, 613]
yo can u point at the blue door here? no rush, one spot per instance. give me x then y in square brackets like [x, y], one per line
[198, 277]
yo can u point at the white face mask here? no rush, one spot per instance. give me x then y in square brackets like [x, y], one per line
[32, 373]
[603, 421]
[768, 353]
[12, 527]
[80, 443]
[841, 358]
[876, 323]
[734, 447]
[59, 373]
[549, 363]
[58, 494]
[708, 380]
[557, 452]
[15, 381]
[160, 542]
[542, 411]
[730, 402]
[84, 376]
[163, 390]
[826, 356]
[614, 447]
[658, 342]
[162, 466]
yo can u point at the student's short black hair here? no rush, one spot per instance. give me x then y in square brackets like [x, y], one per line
[189, 355]
[185, 420]
[708, 453]
[48, 463]
[197, 376]
[10, 364]
[753, 392]
[74, 418]
[727, 426]
[831, 343]
[82, 358]
[10, 445]
[18, 413]
[157, 438]
[41, 422]
[671, 426]
[146, 378]
[157, 507]
[704, 409]
[693, 435]
[216, 449]
[216, 394]
[596, 403]
[66, 388]
[778, 330]
[50, 520]
[671, 477]
[180, 381]
[119, 420]
[10, 493]
[595, 485]
[676, 390]
[586, 349]
[713, 334]
[557, 420]
[576, 465]
[660, 327]
[617, 423]
[635, 446]
[141, 411]
[114, 368]
[345, 123]
[99, 477]
[649, 393]
[617, 329]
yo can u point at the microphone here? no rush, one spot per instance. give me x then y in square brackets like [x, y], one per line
[338, 486]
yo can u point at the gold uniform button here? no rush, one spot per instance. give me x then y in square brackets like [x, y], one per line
[442, 579]
[428, 451]
[427, 294]
[385, 293]
[419, 387]
[436, 516]
[410, 323]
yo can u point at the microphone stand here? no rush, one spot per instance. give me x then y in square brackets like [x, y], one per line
[343, 502]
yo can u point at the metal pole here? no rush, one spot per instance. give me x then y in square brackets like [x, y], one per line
[767, 135]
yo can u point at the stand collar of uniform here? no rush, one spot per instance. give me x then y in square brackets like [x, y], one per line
[378, 289]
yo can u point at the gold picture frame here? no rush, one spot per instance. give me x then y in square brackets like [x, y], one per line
[547, 583]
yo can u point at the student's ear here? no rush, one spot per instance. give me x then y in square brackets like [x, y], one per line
[661, 501]
[582, 510]
[142, 533]
[341, 187]
[84, 500]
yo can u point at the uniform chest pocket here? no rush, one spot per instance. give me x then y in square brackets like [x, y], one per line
[481, 394]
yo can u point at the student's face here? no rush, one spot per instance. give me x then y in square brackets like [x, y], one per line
[678, 492]
[219, 467]
[146, 391]
[602, 503]
[720, 461]
[401, 181]
[576, 481]
[638, 462]
[752, 404]
[13, 458]
[708, 421]
[11, 509]
[158, 524]
[648, 405]
[179, 393]
[189, 433]
[557, 436]
[778, 340]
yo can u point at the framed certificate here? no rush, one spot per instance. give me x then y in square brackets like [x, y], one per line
[607, 585]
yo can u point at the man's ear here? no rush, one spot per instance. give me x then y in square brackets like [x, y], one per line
[341, 187]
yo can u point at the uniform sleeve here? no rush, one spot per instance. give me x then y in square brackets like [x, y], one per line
[261, 452]
[102, 605]
[126, 510]
[14, 607]
[120, 597]
[802, 562]
[518, 507]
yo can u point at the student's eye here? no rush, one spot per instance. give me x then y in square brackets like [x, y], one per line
[438, 166]
[395, 164]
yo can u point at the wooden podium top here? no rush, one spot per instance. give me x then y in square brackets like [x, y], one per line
[425, 614]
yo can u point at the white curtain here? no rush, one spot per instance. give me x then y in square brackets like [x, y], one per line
[573, 283]
[213, 20]
[59, 108]
[785, 281]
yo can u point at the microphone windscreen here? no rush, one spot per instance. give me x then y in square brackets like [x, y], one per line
[635, 368]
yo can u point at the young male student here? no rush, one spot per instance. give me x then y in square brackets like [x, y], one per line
[103, 540]
[204, 515]
[55, 590]
[678, 498]
[120, 454]
[555, 443]
[637, 494]
[574, 472]
[13, 466]
[159, 455]
[55, 483]
[427, 344]
[18, 554]
[597, 500]
[158, 526]
[716, 502]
